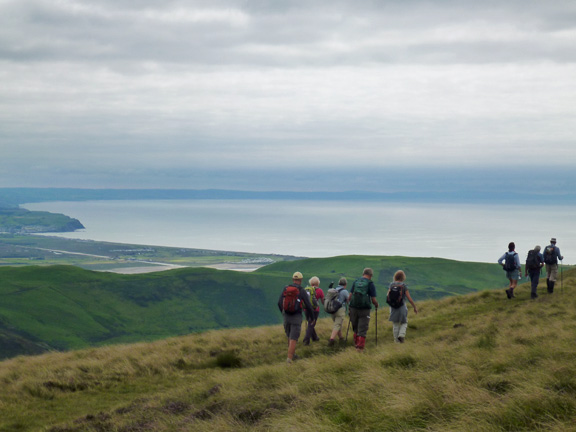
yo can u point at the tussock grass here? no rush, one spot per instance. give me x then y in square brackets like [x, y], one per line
[473, 363]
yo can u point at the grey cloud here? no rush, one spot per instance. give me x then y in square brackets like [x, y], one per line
[283, 33]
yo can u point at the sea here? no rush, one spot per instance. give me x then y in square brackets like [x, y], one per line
[463, 232]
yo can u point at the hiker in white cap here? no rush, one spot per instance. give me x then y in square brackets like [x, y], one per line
[551, 256]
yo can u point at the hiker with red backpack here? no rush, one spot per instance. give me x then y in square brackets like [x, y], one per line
[510, 262]
[551, 256]
[534, 264]
[396, 298]
[291, 303]
[316, 296]
[362, 297]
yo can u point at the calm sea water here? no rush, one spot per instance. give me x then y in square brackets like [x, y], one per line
[478, 233]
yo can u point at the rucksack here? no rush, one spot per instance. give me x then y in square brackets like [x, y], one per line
[550, 255]
[395, 296]
[311, 291]
[532, 261]
[332, 303]
[360, 296]
[290, 300]
[510, 262]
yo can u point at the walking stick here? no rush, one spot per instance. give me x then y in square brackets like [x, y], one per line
[376, 326]
[346, 340]
[561, 278]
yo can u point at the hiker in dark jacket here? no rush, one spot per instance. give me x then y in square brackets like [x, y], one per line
[510, 262]
[290, 304]
[534, 263]
[399, 315]
[362, 297]
[551, 256]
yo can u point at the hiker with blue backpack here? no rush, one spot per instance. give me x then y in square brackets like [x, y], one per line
[510, 262]
[335, 304]
[291, 303]
[551, 256]
[534, 264]
[316, 296]
[397, 295]
[362, 297]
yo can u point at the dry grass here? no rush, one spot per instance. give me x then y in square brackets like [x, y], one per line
[473, 363]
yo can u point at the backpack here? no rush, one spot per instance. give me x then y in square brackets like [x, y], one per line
[550, 255]
[532, 261]
[290, 300]
[360, 297]
[311, 291]
[510, 262]
[395, 296]
[332, 303]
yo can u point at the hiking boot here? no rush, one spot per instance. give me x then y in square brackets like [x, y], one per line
[400, 339]
[316, 339]
[331, 342]
[512, 294]
[342, 341]
[289, 361]
[306, 342]
[509, 294]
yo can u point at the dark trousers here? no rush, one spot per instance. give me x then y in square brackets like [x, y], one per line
[534, 279]
[311, 330]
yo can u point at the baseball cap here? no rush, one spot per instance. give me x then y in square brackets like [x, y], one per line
[297, 275]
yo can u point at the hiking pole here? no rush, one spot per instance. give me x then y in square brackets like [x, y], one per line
[376, 326]
[346, 340]
[561, 278]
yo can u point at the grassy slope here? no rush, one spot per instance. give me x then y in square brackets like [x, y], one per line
[66, 307]
[471, 363]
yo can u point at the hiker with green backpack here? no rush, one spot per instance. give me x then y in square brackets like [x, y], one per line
[292, 301]
[335, 304]
[362, 297]
[316, 296]
[396, 298]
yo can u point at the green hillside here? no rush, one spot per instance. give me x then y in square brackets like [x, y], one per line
[65, 307]
[477, 362]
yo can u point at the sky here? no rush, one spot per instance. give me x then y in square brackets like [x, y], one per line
[288, 95]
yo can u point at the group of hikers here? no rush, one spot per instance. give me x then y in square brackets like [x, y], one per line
[296, 299]
[535, 261]
[361, 297]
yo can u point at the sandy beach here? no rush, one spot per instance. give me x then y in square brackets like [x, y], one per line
[163, 267]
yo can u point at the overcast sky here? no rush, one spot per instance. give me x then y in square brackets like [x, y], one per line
[259, 94]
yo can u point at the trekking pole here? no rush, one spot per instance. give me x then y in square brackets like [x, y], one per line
[561, 278]
[376, 326]
[346, 340]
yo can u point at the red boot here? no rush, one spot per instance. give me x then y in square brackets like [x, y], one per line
[361, 342]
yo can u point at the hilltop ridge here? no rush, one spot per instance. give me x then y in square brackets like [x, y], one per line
[475, 362]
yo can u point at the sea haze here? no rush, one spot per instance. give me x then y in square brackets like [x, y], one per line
[465, 232]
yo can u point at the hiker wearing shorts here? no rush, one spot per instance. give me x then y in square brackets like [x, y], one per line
[510, 262]
[339, 316]
[362, 297]
[551, 256]
[319, 296]
[534, 264]
[290, 304]
[399, 315]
